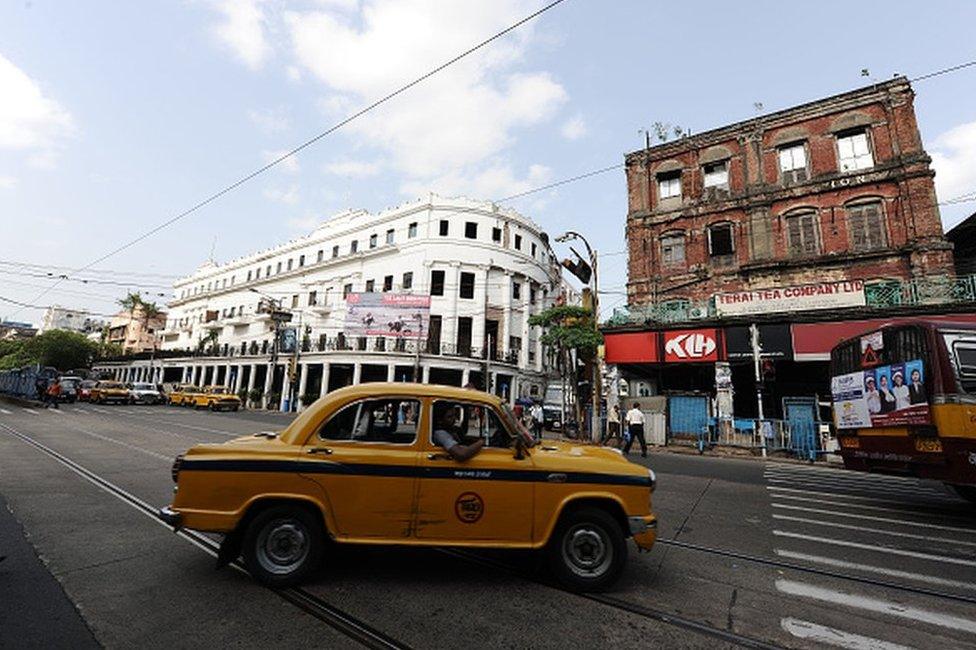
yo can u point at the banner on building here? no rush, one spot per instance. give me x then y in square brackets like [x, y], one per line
[805, 297]
[881, 397]
[386, 314]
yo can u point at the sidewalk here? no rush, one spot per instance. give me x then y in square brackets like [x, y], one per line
[36, 613]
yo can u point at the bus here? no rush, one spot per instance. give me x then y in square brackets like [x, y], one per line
[904, 401]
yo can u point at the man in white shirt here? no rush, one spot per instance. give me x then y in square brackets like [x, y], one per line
[635, 425]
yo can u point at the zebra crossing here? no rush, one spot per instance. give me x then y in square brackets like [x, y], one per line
[912, 533]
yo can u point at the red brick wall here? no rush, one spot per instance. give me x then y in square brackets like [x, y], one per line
[900, 179]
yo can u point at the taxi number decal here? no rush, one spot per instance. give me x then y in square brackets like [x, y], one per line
[469, 507]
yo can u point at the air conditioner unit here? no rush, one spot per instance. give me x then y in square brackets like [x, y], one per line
[697, 313]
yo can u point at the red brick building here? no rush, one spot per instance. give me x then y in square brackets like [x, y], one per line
[834, 190]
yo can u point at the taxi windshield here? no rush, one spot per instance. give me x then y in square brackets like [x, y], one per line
[220, 390]
[111, 384]
[143, 387]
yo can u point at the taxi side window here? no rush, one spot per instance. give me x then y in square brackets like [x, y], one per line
[376, 420]
[478, 421]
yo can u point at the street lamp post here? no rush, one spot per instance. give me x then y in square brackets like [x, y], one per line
[275, 305]
[596, 387]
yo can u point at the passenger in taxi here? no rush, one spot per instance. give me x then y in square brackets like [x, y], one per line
[446, 434]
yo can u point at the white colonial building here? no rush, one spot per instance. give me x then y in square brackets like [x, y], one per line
[57, 317]
[486, 270]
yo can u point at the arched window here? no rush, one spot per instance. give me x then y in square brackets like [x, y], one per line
[802, 233]
[673, 249]
[865, 223]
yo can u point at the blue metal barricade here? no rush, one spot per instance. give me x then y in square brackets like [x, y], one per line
[801, 415]
[688, 418]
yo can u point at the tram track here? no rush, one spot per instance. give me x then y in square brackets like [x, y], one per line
[329, 614]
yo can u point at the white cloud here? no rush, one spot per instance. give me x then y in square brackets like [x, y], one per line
[574, 128]
[457, 120]
[954, 159]
[287, 196]
[269, 120]
[288, 165]
[7, 182]
[243, 31]
[497, 181]
[29, 121]
[353, 168]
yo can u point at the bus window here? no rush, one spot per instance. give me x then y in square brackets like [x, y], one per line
[963, 351]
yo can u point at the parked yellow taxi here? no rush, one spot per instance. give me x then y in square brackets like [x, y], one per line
[215, 398]
[182, 394]
[361, 465]
[109, 391]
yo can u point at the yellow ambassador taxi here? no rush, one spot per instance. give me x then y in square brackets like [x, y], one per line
[361, 466]
[182, 394]
[109, 391]
[215, 398]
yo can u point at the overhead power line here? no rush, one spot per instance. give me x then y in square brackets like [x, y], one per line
[943, 71]
[295, 150]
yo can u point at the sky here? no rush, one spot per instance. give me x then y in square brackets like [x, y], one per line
[117, 116]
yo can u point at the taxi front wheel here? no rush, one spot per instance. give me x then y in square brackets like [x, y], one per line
[588, 550]
[282, 545]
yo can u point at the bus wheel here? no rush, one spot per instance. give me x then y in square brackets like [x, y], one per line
[967, 492]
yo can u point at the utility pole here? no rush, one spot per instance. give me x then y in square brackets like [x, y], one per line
[417, 376]
[756, 363]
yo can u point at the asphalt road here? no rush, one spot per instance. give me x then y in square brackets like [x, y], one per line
[752, 553]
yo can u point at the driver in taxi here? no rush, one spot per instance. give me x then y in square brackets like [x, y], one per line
[446, 435]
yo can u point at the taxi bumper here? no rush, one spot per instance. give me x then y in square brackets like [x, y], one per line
[171, 517]
[644, 531]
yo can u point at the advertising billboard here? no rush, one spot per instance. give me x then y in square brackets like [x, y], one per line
[884, 396]
[386, 314]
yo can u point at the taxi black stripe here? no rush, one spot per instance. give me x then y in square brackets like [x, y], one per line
[409, 471]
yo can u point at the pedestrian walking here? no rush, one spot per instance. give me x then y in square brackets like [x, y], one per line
[54, 393]
[40, 387]
[635, 426]
[613, 425]
[538, 420]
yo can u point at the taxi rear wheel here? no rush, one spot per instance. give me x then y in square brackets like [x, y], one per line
[282, 545]
[588, 550]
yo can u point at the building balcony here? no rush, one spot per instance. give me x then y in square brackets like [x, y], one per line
[213, 325]
[236, 321]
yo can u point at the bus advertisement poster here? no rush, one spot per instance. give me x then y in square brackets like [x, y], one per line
[885, 396]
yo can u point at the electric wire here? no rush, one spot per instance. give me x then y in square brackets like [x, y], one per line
[308, 143]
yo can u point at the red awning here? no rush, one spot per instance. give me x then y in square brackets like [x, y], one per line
[814, 341]
[631, 347]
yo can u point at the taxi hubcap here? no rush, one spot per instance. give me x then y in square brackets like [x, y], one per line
[587, 550]
[283, 546]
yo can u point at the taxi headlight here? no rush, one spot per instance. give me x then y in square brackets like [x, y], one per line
[652, 477]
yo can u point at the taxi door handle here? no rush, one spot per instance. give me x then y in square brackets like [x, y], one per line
[438, 457]
[319, 450]
[556, 478]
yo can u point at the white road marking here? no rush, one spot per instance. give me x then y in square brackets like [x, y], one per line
[811, 632]
[864, 529]
[98, 410]
[875, 605]
[5, 412]
[58, 411]
[32, 411]
[889, 520]
[850, 497]
[902, 511]
[878, 549]
[872, 487]
[123, 444]
[893, 573]
[80, 410]
[832, 472]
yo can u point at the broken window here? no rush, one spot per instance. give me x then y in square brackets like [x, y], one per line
[673, 249]
[793, 163]
[716, 174]
[854, 152]
[720, 240]
[669, 185]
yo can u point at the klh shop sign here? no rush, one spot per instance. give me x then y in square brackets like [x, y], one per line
[692, 345]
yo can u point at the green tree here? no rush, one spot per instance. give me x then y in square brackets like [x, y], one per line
[570, 338]
[150, 311]
[57, 348]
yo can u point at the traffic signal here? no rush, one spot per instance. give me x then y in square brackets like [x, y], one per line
[768, 370]
[579, 268]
